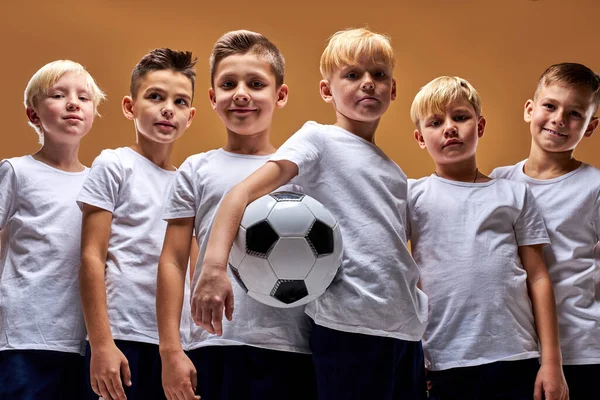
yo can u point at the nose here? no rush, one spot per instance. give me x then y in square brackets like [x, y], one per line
[167, 112]
[558, 117]
[450, 129]
[73, 103]
[241, 94]
[367, 83]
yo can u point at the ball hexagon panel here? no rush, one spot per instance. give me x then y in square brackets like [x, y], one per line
[257, 211]
[289, 291]
[256, 273]
[290, 219]
[320, 238]
[321, 274]
[292, 258]
[287, 196]
[260, 239]
[319, 211]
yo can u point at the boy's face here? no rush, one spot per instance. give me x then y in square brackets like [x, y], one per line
[360, 92]
[162, 109]
[560, 117]
[66, 112]
[245, 94]
[452, 137]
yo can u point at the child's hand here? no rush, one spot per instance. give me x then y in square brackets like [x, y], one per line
[213, 293]
[550, 383]
[107, 366]
[178, 376]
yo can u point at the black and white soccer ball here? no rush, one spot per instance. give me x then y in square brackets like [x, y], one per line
[287, 250]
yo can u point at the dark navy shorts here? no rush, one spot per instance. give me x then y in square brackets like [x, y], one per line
[145, 367]
[583, 381]
[252, 373]
[364, 367]
[514, 380]
[40, 374]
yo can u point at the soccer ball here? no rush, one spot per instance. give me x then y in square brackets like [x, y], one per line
[287, 249]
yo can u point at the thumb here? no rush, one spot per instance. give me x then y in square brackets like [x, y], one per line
[194, 380]
[229, 306]
[126, 372]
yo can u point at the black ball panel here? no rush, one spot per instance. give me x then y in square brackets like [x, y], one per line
[320, 239]
[260, 239]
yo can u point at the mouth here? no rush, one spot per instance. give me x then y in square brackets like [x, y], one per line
[71, 117]
[242, 110]
[368, 99]
[555, 133]
[452, 142]
[165, 125]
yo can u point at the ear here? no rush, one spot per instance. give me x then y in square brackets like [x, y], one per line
[282, 95]
[419, 139]
[528, 110]
[393, 89]
[32, 116]
[591, 127]
[212, 98]
[127, 106]
[481, 126]
[190, 117]
[325, 90]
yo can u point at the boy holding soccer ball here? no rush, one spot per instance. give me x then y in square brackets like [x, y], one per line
[263, 353]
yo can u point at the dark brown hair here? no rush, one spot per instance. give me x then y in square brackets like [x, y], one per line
[242, 42]
[163, 59]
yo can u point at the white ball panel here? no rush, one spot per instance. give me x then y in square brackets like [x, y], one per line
[257, 211]
[273, 302]
[291, 218]
[257, 274]
[292, 258]
[321, 275]
[319, 211]
[238, 250]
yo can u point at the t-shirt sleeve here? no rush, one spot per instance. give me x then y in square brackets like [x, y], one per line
[529, 226]
[181, 200]
[8, 191]
[303, 148]
[101, 186]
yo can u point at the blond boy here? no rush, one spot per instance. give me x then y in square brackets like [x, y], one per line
[42, 332]
[367, 326]
[560, 115]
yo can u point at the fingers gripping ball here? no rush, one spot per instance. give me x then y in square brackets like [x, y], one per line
[287, 250]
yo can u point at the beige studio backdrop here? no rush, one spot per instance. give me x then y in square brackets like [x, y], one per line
[501, 47]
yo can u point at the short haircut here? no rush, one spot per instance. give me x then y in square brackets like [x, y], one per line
[571, 75]
[434, 97]
[48, 75]
[163, 59]
[348, 46]
[242, 42]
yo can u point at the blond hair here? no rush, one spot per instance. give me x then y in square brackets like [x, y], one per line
[48, 75]
[348, 46]
[434, 97]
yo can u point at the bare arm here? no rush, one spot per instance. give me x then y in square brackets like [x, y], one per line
[550, 378]
[108, 362]
[213, 294]
[178, 373]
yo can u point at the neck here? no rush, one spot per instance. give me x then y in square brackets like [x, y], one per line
[158, 153]
[256, 145]
[464, 171]
[545, 165]
[365, 130]
[60, 156]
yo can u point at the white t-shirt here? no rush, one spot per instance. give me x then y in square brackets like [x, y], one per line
[40, 226]
[570, 205]
[465, 239]
[201, 182]
[133, 189]
[375, 291]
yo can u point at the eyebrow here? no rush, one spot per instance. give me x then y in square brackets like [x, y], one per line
[553, 100]
[159, 89]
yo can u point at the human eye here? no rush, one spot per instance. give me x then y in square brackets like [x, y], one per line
[227, 85]
[380, 74]
[154, 96]
[84, 97]
[351, 75]
[56, 95]
[257, 84]
[548, 106]
[433, 122]
[460, 118]
[181, 102]
[575, 114]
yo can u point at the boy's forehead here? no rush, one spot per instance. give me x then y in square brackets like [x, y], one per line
[244, 64]
[167, 80]
[574, 94]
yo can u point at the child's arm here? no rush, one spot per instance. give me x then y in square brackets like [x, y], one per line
[178, 372]
[108, 362]
[550, 379]
[213, 293]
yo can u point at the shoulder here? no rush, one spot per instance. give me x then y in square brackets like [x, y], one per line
[110, 157]
[416, 187]
[507, 172]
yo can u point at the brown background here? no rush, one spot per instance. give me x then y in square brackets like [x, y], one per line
[501, 47]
